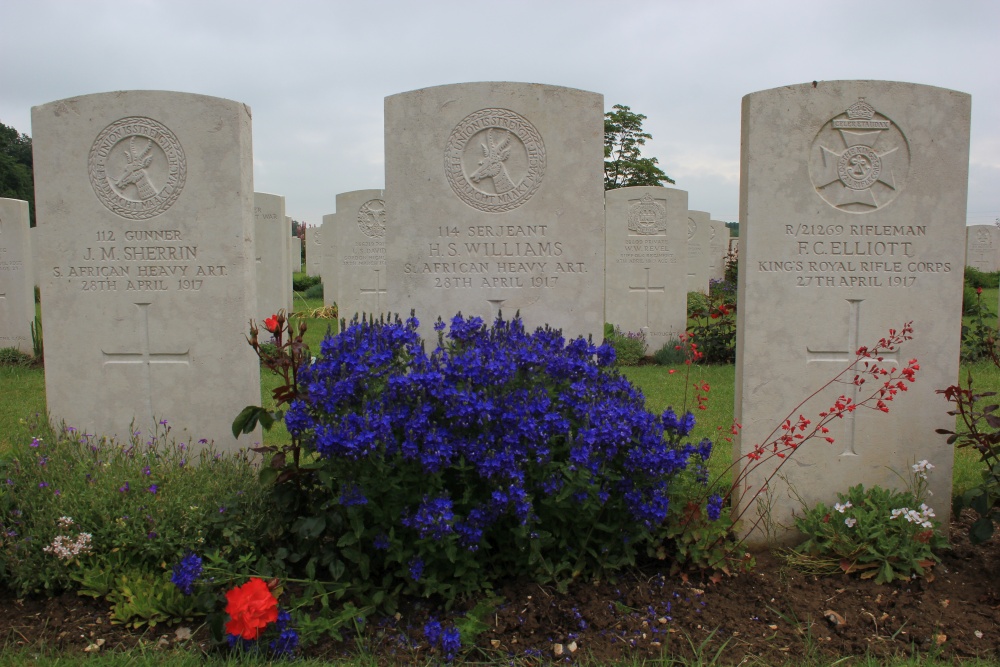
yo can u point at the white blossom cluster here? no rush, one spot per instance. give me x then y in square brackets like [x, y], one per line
[921, 468]
[65, 548]
[849, 521]
[923, 517]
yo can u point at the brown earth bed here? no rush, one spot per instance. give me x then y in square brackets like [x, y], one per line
[773, 615]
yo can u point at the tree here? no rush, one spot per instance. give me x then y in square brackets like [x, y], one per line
[623, 139]
[16, 174]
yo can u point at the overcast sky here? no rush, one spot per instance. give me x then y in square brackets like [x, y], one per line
[315, 73]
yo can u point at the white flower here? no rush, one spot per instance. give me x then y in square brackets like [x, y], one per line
[841, 508]
[850, 521]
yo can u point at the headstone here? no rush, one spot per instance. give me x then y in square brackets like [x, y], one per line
[145, 208]
[17, 276]
[646, 279]
[271, 254]
[331, 294]
[314, 251]
[296, 254]
[983, 247]
[289, 284]
[853, 199]
[499, 190]
[718, 244]
[358, 266]
[699, 237]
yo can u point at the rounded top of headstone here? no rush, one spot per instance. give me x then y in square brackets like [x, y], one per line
[838, 84]
[477, 86]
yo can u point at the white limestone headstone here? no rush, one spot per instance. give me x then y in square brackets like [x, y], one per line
[289, 285]
[358, 265]
[145, 206]
[699, 236]
[314, 251]
[296, 254]
[853, 198]
[271, 254]
[17, 276]
[498, 190]
[983, 247]
[331, 293]
[646, 269]
[718, 244]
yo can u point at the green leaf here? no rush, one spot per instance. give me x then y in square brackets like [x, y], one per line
[248, 419]
[981, 530]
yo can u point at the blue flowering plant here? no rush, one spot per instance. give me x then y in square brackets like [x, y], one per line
[501, 453]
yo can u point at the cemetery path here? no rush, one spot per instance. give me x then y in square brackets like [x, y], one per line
[772, 615]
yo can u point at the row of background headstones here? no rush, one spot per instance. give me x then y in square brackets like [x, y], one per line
[824, 194]
[649, 268]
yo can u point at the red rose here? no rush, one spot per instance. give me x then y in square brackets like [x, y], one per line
[271, 324]
[979, 290]
[251, 607]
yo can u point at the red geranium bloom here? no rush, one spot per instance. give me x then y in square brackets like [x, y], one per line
[251, 607]
[271, 324]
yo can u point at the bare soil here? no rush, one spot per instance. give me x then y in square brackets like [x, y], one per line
[773, 615]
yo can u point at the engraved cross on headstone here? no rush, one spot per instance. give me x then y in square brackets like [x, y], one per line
[647, 289]
[146, 358]
[378, 291]
[848, 356]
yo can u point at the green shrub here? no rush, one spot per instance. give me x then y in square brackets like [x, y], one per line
[975, 278]
[630, 347]
[722, 291]
[980, 335]
[315, 292]
[143, 503]
[714, 331]
[303, 281]
[11, 356]
[670, 354]
[696, 303]
[732, 271]
[877, 533]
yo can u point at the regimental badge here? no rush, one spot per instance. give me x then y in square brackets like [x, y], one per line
[983, 238]
[137, 168]
[494, 160]
[860, 160]
[647, 217]
[371, 218]
[692, 228]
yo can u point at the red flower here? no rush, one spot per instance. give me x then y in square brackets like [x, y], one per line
[271, 324]
[251, 607]
[979, 290]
